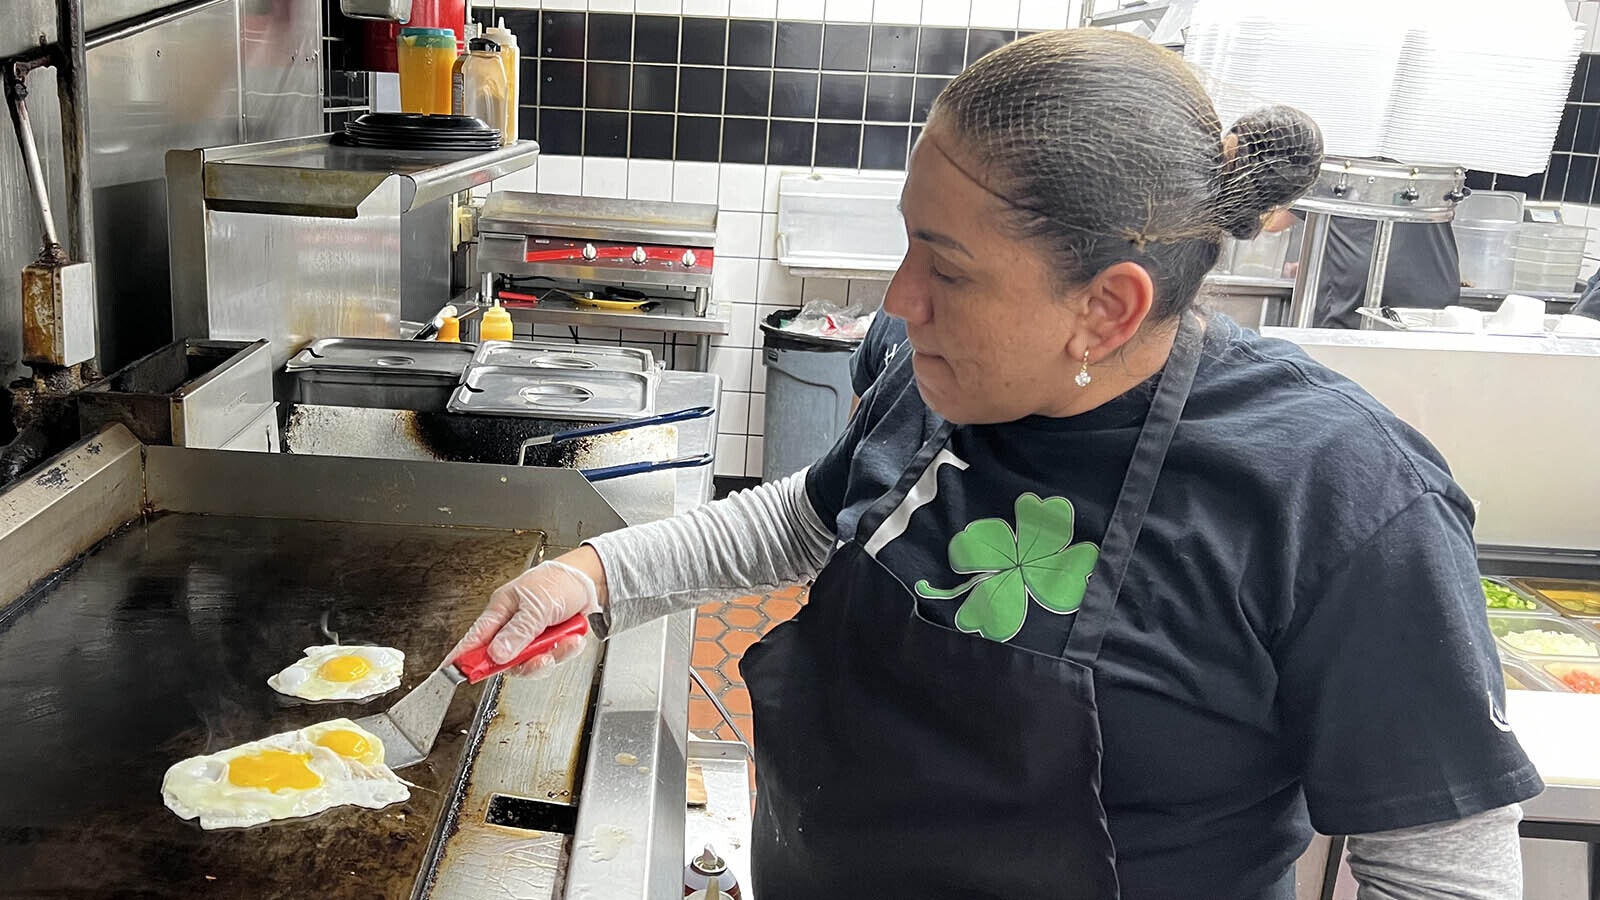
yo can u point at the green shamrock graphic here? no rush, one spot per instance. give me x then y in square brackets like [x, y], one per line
[1038, 560]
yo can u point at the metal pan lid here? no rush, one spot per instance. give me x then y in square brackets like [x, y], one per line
[552, 355]
[382, 355]
[593, 395]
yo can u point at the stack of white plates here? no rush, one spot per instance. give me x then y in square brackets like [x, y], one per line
[1489, 101]
[1338, 70]
[1449, 81]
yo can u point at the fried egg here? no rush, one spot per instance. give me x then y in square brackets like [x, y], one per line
[341, 673]
[286, 776]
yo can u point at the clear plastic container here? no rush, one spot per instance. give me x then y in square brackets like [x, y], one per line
[1501, 596]
[1504, 206]
[1550, 236]
[1578, 676]
[1546, 257]
[1569, 596]
[1522, 677]
[426, 58]
[1539, 276]
[478, 87]
[1262, 257]
[1513, 634]
[1485, 248]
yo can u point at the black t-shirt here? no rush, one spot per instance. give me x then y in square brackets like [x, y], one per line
[883, 341]
[1424, 269]
[1301, 637]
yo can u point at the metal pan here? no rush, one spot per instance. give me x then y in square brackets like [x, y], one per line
[551, 355]
[595, 395]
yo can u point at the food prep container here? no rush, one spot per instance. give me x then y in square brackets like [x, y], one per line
[551, 355]
[378, 373]
[594, 395]
[1578, 676]
[1512, 599]
[1569, 597]
[1522, 677]
[1510, 630]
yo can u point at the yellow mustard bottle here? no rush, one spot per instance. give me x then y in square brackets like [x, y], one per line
[496, 325]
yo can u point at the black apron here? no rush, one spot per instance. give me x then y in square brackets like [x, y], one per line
[897, 757]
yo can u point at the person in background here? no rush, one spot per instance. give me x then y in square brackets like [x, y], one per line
[1588, 303]
[1424, 268]
[1113, 599]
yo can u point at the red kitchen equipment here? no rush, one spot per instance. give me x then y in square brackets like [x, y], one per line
[379, 41]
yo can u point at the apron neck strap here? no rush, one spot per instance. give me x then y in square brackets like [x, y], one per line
[1138, 487]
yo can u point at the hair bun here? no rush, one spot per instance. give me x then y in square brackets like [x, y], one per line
[1275, 158]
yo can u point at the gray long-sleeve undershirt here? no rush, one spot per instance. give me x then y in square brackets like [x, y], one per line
[770, 536]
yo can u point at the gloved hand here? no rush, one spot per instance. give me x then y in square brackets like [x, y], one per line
[522, 608]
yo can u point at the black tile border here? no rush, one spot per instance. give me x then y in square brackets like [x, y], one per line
[720, 65]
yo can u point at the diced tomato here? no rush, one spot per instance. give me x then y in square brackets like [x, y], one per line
[1581, 681]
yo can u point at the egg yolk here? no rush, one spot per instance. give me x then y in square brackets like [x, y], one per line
[348, 744]
[275, 770]
[344, 668]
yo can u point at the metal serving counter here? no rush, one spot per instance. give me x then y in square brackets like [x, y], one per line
[1264, 302]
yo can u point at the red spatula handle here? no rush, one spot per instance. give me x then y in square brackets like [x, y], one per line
[476, 664]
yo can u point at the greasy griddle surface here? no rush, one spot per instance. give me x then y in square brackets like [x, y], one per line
[157, 646]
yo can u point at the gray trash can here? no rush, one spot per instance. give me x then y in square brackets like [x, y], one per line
[808, 395]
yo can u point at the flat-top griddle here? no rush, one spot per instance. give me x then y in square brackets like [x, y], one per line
[151, 641]
[157, 646]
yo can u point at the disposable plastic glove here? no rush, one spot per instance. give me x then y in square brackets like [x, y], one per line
[522, 608]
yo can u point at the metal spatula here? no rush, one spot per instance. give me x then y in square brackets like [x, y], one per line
[410, 727]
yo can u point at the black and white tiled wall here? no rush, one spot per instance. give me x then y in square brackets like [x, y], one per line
[711, 101]
[758, 91]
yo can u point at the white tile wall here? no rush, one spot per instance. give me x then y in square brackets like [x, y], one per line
[741, 187]
[731, 455]
[947, 13]
[1042, 14]
[849, 10]
[649, 179]
[803, 9]
[739, 234]
[897, 12]
[560, 174]
[734, 416]
[753, 9]
[605, 177]
[995, 13]
[753, 454]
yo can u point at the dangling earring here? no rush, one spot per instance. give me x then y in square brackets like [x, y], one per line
[1083, 378]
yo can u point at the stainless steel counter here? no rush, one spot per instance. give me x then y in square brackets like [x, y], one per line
[1264, 302]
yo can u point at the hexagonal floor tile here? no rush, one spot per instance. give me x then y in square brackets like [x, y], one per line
[743, 617]
[736, 642]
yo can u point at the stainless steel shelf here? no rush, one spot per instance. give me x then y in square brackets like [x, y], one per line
[313, 176]
[1140, 12]
[674, 316]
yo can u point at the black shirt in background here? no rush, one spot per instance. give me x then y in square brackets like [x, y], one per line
[1424, 269]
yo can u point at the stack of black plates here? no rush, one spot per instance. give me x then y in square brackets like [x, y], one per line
[413, 131]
